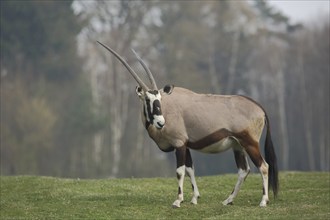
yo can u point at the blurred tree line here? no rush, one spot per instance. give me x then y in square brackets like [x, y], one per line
[46, 107]
[69, 109]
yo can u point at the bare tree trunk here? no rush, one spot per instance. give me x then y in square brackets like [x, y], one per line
[118, 112]
[212, 71]
[306, 118]
[323, 154]
[324, 127]
[98, 137]
[283, 119]
[115, 146]
[139, 142]
[233, 61]
[276, 62]
[97, 151]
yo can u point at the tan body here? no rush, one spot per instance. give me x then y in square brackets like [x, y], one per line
[186, 121]
[213, 124]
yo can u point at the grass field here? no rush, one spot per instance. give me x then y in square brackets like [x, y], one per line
[303, 195]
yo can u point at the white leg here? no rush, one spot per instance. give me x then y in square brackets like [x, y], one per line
[180, 171]
[243, 171]
[241, 177]
[191, 173]
[264, 173]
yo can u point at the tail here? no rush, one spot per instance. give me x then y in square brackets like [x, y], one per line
[271, 159]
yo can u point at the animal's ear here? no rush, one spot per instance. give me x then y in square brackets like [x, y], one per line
[139, 91]
[168, 89]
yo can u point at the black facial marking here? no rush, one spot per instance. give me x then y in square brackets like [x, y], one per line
[147, 124]
[150, 115]
[156, 108]
[154, 92]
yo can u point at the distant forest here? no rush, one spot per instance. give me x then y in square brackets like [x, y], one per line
[69, 109]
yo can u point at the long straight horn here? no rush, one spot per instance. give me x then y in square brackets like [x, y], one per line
[145, 67]
[130, 70]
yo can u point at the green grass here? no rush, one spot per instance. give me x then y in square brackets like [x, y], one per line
[303, 195]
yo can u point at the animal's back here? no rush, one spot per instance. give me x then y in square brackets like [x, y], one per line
[204, 114]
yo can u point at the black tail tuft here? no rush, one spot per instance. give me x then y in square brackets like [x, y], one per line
[271, 159]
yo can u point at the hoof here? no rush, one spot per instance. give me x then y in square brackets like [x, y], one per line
[194, 201]
[176, 204]
[264, 202]
[227, 203]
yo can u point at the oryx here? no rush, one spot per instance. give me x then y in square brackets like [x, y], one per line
[178, 119]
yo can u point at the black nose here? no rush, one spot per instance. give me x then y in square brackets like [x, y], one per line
[160, 125]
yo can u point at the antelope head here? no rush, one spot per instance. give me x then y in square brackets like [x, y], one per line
[151, 98]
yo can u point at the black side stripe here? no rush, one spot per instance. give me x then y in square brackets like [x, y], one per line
[150, 116]
[147, 124]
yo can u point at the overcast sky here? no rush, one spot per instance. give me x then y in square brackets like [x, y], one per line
[302, 10]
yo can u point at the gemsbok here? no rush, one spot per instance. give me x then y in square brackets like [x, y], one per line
[178, 119]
